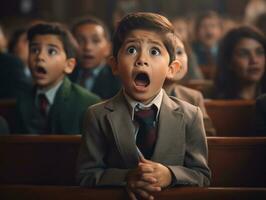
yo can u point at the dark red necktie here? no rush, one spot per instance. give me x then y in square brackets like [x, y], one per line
[147, 133]
[43, 104]
[85, 75]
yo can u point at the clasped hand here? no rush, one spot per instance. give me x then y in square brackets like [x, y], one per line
[149, 177]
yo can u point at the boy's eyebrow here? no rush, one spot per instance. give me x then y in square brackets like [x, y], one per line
[50, 45]
[54, 45]
[159, 43]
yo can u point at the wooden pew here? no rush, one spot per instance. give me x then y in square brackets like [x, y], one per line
[204, 86]
[51, 160]
[40, 160]
[237, 161]
[23, 192]
[232, 117]
[7, 110]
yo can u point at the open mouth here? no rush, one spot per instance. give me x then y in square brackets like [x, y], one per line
[89, 57]
[142, 79]
[40, 70]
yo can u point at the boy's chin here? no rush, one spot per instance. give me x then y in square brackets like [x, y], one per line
[144, 98]
[89, 65]
[42, 85]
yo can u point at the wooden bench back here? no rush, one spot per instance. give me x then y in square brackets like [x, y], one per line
[51, 160]
[24, 192]
[237, 161]
[232, 117]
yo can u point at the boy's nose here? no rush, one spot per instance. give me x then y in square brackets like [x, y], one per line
[87, 45]
[40, 55]
[141, 60]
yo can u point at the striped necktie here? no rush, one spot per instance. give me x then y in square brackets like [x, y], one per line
[147, 133]
[43, 104]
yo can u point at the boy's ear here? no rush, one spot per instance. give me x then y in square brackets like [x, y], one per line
[173, 69]
[70, 65]
[112, 62]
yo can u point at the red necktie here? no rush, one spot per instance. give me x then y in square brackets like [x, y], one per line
[43, 104]
[147, 133]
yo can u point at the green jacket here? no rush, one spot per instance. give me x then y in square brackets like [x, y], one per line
[66, 113]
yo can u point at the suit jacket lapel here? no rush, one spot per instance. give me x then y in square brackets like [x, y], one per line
[28, 102]
[60, 102]
[122, 128]
[170, 124]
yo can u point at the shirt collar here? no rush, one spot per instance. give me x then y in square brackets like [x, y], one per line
[50, 94]
[133, 104]
[96, 70]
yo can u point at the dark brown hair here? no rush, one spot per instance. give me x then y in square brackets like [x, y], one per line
[90, 20]
[68, 41]
[145, 21]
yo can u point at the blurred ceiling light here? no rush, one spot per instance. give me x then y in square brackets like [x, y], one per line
[25, 6]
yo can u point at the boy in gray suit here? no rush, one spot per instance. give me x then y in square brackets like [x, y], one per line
[141, 138]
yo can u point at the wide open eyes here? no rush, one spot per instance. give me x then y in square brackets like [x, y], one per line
[131, 50]
[52, 51]
[155, 51]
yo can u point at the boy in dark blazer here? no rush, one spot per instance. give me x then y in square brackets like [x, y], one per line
[54, 105]
[92, 71]
[115, 150]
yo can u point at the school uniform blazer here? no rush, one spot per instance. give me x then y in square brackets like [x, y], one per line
[195, 98]
[108, 150]
[67, 112]
[105, 85]
[13, 81]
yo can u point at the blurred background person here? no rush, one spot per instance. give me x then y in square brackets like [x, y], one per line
[241, 64]
[3, 40]
[182, 29]
[19, 47]
[173, 88]
[92, 71]
[12, 78]
[253, 9]
[208, 32]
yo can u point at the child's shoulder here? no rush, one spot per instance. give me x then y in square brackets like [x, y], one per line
[104, 107]
[182, 104]
[80, 93]
[188, 110]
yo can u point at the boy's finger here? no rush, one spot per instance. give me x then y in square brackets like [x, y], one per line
[144, 194]
[147, 186]
[144, 160]
[144, 168]
[131, 194]
[149, 178]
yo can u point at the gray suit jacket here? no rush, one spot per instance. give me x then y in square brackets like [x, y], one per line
[195, 98]
[108, 150]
